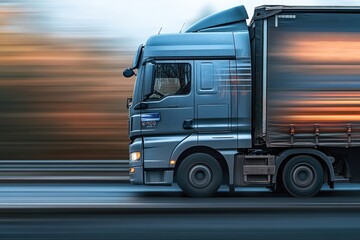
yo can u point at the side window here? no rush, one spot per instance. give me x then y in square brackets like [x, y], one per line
[171, 79]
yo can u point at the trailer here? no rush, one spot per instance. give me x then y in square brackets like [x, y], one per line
[275, 103]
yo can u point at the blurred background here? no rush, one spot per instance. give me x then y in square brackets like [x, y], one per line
[62, 94]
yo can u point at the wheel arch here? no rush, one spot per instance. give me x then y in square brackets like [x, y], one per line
[207, 150]
[326, 162]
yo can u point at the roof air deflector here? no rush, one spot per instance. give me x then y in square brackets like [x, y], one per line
[232, 15]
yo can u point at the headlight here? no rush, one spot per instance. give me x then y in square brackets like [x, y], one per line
[135, 156]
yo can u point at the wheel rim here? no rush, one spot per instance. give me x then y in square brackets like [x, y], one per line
[303, 176]
[200, 176]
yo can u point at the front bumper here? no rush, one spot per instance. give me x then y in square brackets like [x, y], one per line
[151, 177]
[153, 171]
[137, 176]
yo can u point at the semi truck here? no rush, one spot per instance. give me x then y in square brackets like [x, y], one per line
[273, 103]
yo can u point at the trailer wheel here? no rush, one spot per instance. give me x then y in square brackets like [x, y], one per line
[199, 175]
[303, 176]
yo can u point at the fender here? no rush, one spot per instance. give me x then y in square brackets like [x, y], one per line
[306, 151]
[186, 143]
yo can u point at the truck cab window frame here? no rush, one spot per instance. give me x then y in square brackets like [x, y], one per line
[170, 79]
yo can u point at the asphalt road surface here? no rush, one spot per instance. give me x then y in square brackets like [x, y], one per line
[122, 211]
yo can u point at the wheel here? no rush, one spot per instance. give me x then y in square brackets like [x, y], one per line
[199, 175]
[303, 176]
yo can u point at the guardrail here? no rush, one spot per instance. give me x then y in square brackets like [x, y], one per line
[60, 170]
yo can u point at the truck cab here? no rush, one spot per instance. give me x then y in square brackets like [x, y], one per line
[193, 91]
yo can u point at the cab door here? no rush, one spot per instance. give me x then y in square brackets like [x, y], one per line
[167, 111]
[168, 108]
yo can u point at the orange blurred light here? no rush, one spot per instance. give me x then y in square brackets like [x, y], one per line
[323, 47]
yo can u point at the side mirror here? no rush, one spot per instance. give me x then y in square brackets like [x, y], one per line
[128, 102]
[129, 72]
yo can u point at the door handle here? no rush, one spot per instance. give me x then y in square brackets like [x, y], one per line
[188, 124]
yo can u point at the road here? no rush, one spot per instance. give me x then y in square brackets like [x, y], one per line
[122, 211]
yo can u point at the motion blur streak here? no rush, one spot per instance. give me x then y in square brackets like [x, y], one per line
[60, 97]
[314, 91]
[338, 48]
[120, 211]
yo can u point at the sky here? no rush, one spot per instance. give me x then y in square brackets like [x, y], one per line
[136, 20]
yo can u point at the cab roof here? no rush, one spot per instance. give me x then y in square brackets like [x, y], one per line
[190, 45]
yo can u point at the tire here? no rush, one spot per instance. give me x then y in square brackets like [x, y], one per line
[303, 176]
[199, 175]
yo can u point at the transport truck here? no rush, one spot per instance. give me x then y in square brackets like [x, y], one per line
[272, 103]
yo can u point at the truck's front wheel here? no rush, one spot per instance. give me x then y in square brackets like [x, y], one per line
[303, 176]
[199, 175]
